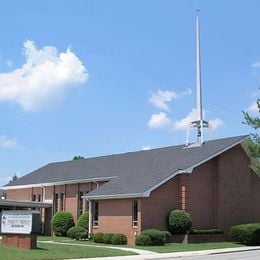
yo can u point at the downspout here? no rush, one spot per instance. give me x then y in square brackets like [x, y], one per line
[90, 212]
[43, 210]
[90, 219]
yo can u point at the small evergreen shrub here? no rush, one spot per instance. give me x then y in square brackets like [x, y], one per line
[143, 240]
[107, 238]
[179, 221]
[248, 234]
[157, 236]
[119, 239]
[83, 220]
[205, 231]
[98, 237]
[77, 233]
[61, 222]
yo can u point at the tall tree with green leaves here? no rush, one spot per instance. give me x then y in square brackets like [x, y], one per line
[253, 145]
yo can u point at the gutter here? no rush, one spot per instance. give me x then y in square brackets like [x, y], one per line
[58, 183]
[116, 196]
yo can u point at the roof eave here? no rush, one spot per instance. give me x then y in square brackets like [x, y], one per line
[58, 183]
[114, 196]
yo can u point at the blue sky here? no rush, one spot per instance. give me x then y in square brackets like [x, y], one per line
[102, 77]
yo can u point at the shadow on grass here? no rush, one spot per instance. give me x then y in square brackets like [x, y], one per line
[41, 249]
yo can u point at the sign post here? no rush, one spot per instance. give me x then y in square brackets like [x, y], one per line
[19, 228]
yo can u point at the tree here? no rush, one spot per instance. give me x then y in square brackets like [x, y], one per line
[253, 145]
[14, 178]
[78, 157]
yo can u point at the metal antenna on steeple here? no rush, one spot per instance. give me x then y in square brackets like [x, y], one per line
[199, 123]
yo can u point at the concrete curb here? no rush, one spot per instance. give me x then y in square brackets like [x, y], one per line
[177, 254]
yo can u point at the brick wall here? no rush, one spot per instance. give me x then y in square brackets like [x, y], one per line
[234, 190]
[115, 216]
[159, 204]
[202, 195]
[19, 194]
[255, 180]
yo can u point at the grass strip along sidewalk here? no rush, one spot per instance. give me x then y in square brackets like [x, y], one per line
[168, 248]
[56, 251]
[51, 250]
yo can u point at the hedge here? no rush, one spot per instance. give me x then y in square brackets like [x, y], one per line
[119, 239]
[205, 231]
[107, 238]
[61, 222]
[77, 233]
[98, 237]
[83, 220]
[179, 221]
[157, 236]
[143, 240]
[248, 234]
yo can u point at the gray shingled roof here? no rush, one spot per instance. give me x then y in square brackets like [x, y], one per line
[134, 172]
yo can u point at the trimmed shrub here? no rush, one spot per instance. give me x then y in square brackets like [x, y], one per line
[205, 231]
[179, 222]
[143, 240]
[77, 233]
[61, 222]
[107, 238]
[119, 239]
[83, 220]
[98, 237]
[157, 236]
[248, 234]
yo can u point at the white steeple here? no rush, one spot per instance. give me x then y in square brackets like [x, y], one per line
[199, 123]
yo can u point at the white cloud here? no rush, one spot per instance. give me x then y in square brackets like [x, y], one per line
[158, 120]
[160, 98]
[253, 107]
[215, 123]
[184, 122]
[7, 142]
[146, 147]
[43, 79]
[192, 116]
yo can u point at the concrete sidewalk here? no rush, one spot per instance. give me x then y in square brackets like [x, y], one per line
[175, 255]
[129, 249]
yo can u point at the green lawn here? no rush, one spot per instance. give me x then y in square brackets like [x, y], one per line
[55, 251]
[178, 247]
[171, 247]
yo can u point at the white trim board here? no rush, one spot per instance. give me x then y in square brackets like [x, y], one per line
[59, 183]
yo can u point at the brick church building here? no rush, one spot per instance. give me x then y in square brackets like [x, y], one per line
[130, 192]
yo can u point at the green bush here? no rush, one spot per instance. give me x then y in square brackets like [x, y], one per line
[143, 240]
[83, 220]
[107, 238]
[205, 231]
[248, 234]
[61, 222]
[157, 236]
[98, 237]
[119, 239]
[77, 233]
[179, 221]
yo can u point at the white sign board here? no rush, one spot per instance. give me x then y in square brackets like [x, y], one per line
[16, 222]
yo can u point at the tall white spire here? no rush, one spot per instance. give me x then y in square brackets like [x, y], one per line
[199, 123]
[198, 68]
